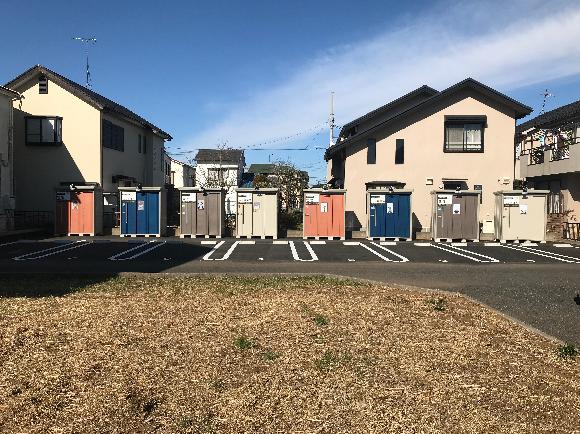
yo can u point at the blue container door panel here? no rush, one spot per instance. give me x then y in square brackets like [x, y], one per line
[128, 217]
[391, 209]
[403, 216]
[142, 221]
[377, 218]
[152, 212]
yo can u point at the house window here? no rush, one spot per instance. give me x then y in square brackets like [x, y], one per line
[216, 176]
[400, 151]
[371, 151]
[464, 135]
[144, 144]
[113, 136]
[42, 84]
[139, 144]
[43, 130]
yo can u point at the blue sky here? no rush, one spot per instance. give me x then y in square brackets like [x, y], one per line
[248, 73]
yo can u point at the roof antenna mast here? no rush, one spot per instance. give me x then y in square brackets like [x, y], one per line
[546, 95]
[331, 120]
[87, 42]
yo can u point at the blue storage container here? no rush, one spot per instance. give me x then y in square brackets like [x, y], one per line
[142, 211]
[389, 214]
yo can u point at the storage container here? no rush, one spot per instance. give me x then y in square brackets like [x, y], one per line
[202, 212]
[389, 214]
[520, 215]
[323, 215]
[143, 211]
[257, 212]
[455, 215]
[79, 210]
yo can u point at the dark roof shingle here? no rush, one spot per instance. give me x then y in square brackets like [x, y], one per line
[552, 118]
[86, 95]
[232, 156]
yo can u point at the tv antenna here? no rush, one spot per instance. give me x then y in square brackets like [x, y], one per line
[546, 96]
[87, 42]
[331, 120]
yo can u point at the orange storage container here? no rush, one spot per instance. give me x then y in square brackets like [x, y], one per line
[79, 210]
[324, 213]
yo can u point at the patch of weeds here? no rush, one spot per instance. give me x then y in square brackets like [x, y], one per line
[218, 385]
[271, 355]
[320, 320]
[185, 422]
[319, 339]
[567, 351]
[439, 304]
[332, 359]
[243, 343]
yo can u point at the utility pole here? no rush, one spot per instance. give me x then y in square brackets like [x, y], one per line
[331, 120]
[87, 42]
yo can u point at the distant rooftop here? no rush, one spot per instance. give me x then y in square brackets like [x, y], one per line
[227, 156]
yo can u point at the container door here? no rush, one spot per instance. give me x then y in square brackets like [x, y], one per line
[444, 224]
[141, 213]
[458, 217]
[201, 205]
[244, 219]
[81, 212]
[470, 220]
[187, 215]
[129, 217]
[152, 205]
[391, 209]
[337, 215]
[214, 214]
[270, 214]
[258, 214]
[61, 212]
[377, 215]
[311, 219]
[403, 216]
[325, 216]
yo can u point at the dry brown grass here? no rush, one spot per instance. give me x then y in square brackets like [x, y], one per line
[268, 355]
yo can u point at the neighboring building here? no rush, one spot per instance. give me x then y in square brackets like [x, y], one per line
[7, 97]
[548, 158]
[278, 175]
[427, 140]
[221, 168]
[67, 133]
[181, 174]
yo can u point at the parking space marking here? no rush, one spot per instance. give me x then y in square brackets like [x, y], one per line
[249, 243]
[422, 244]
[313, 256]
[231, 250]
[52, 251]
[462, 244]
[318, 242]
[10, 243]
[492, 244]
[206, 257]
[350, 243]
[466, 253]
[388, 243]
[279, 242]
[209, 243]
[154, 245]
[552, 253]
[401, 257]
[563, 245]
[543, 253]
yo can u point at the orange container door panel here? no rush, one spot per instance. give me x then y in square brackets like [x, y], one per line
[324, 216]
[338, 215]
[310, 220]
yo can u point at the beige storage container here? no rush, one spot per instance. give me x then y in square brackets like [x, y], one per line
[455, 215]
[520, 215]
[257, 213]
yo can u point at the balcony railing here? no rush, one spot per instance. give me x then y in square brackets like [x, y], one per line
[558, 154]
[536, 156]
[572, 231]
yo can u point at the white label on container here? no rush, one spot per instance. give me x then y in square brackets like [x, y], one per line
[62, 196]
[444, 199]
[323, 207]
[377, 198]
[75, 205]
[201, 204]
[128, 195]
[141, 205]
[390, 208]
[256, 205]
[511, 200]
[245, 197]
[312, 198]
[523, 208]
[456, 208]
[188, 197]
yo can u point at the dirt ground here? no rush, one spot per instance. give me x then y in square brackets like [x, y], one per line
[237, 354]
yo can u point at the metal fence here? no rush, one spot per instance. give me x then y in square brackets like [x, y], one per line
[18, 220]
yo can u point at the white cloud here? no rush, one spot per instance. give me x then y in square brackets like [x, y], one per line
[506, 46]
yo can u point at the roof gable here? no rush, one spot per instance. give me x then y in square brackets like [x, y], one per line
[520, 110]
[9, 92]
[85, 94]
[565, 113]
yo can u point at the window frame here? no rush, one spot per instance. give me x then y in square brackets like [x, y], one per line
[371, 155]
[57, 130]
[117, 132]
[399, 151]
[463, 121]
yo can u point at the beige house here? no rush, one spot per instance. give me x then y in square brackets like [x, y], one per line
[461, 137]
[67, 133]
[548, 157]
[181, 174]
[7, 204]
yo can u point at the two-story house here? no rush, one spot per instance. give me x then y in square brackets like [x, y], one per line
[461, 137]
[222, 168]
[548, 153]
[7, 97]
[181, 174]
[67, 133]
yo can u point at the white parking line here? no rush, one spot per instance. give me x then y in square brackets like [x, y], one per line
[374, 252]
[350, 243]
[52, 251]
[475, 254]
[401, 257]
[209, 243]
[563, 245]
[318, 242]
[280, 242]
[422, 244]
[231, 250]
[10, 243]
[457, 251]
[206, 257]
[295, 252]
[542, 253]
[459, 244]
[246, 243]
[492, 244]
[388, 243]
[551, 253]
[154, 245]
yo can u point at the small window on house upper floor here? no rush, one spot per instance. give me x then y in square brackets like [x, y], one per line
[43, 130]
[113, 136]
[139, 143]
[464, 134]
[400, 151]
[371, 151]
[144, 144]
[42, 84]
